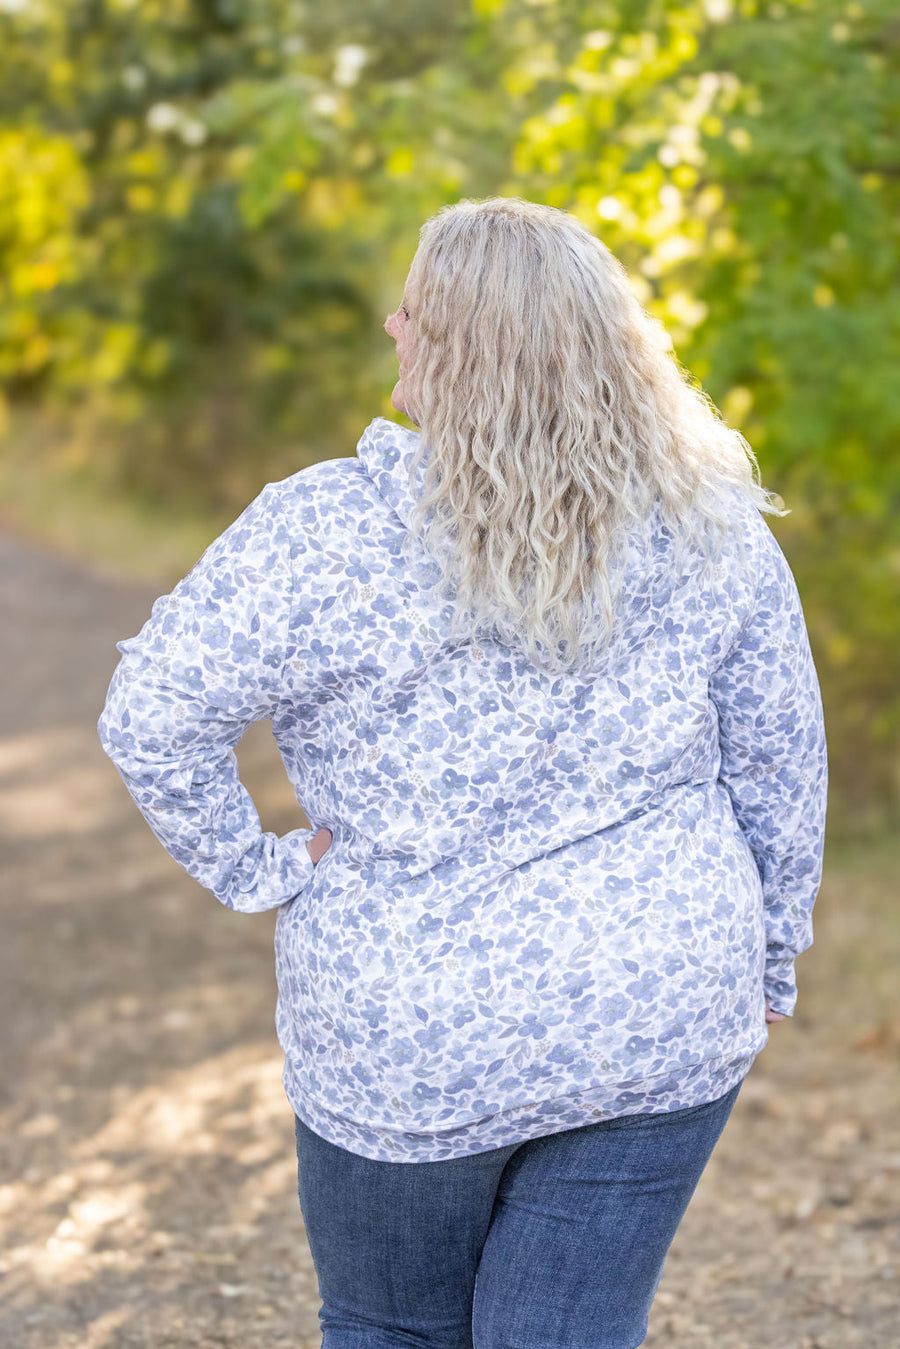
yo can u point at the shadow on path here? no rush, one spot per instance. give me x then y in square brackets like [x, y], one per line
[147, 1172]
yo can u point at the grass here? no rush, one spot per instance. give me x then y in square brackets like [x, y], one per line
[69, 509]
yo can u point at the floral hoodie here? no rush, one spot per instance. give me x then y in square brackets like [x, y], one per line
[550, 899]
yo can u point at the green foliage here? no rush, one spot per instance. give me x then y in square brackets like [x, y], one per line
[206, 206]
[143, 280]
[746, 171]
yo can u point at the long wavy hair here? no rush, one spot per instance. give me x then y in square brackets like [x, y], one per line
[555, 418]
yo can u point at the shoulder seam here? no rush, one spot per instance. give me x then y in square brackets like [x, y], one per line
[290, 619]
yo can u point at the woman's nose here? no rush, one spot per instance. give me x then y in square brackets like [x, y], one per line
[389, 325]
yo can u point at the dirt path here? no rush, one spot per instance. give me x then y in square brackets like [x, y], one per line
[147, 1172]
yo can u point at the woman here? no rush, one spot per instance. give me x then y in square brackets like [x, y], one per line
[542, 675]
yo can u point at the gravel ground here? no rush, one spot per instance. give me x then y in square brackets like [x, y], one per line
[147, 1167]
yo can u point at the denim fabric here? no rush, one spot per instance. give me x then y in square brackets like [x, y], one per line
[554, 1243]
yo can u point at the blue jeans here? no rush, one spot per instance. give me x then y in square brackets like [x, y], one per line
[555, 1243]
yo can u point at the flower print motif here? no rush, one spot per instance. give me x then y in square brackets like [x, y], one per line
[546, 731]
[502, 966]
[616, 886]
[343, 1036]
[403, 1051]
[305, 615]
[535, 953]
[576, 984]
[402, 629]
[365, 1076]
[480, 946]
[636, 1045]
[459, 721]
[355, 569]
[215, 634]
[565, 762]
[645, 986]
[567, 905]
[677, 900]
[501, 807]
[528, 906]
[658, 696]
[433, 1036]
[675, 1030]
[453, 781]
[480, 978]
[142, 701]
[541, 778]
[508, 939]
[345, 967]
[323, 651]
[609, 730]
[384, 607]
[433, 737]
[466, 1082]
[614, 1008]
[423, 1092]
[401, 701]
[367, 622]
[268, 605]
[190, 677]
[628, 772]
[584, 722]
[747, 700]
[463, 912]
[487, 705]
[636, 714]
[417, 990]
[371, 824]
[532, 1025]
[222, 589]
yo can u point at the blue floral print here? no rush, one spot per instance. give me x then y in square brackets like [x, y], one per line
[550, 899]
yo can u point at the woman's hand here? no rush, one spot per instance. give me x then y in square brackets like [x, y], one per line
[770, 1015]
[319, 844]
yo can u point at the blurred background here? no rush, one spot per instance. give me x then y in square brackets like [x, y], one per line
[207, 207]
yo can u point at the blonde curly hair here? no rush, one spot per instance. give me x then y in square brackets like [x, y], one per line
[554, 417]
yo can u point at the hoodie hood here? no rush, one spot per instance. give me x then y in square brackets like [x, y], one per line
[385, 452]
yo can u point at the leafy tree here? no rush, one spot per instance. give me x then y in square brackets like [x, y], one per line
[742, 160]
[205, 203]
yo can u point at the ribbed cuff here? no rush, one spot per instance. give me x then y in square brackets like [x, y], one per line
[271, 873]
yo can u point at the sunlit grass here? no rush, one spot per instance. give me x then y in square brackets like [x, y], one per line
[70, 509]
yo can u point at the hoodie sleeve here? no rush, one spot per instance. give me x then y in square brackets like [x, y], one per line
[774, 761]
[205, 665]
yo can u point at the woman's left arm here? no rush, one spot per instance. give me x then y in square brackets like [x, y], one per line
[205, 665]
